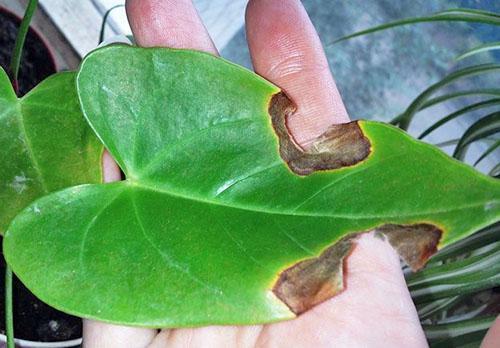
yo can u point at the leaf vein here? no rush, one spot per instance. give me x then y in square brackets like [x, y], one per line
[89, 226]
[166, 257]
[157, 159]
[348, 174]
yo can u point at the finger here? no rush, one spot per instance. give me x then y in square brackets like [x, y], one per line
[168, 23]
[286, 50]
[110, 169]
[492, 336]
[374, 309]
[97, 334]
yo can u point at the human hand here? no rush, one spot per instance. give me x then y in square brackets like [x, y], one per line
[375, 309]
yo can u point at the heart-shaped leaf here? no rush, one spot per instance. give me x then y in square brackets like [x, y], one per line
[45, 143]
[211, 226]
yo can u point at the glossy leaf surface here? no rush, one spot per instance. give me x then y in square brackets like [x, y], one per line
[45, 143]
[211, 226]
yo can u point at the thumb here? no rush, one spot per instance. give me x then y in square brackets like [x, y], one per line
[374, 309]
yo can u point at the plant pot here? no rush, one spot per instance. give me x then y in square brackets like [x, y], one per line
[37, 61]
[35, 323]
[32, 344]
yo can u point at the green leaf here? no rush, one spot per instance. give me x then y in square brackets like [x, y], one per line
[471, 274]
[495, 171]
[448, 96]
[405, 120]
[45, 143]
[447, 142]
[484, 237]
[453, 15]
[484, 127]
[458, 334]
[458, 113]
[491, 46]
[488, 151]
[435, 307]
[222, 219]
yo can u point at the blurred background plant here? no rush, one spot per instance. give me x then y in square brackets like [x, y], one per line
[458, 294]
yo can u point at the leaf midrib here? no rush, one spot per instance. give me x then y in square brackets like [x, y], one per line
[398, 216]
[29, 147]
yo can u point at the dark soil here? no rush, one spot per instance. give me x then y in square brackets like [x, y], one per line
[36, 62]
[33, 319]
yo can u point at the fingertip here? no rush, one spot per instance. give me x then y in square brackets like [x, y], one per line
[168, 23]
[286, 50]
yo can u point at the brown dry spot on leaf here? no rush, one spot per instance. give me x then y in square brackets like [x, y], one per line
[315, 280]
[340, 146]
[415, 244]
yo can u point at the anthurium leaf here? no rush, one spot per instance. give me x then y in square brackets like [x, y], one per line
[45, 143]
[223, 219]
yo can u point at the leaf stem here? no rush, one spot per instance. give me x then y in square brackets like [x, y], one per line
[18, 46]
[9, 316]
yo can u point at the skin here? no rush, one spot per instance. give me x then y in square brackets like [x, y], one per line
[375, 309]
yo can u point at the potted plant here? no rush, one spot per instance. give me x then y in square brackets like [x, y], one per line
[37, 110]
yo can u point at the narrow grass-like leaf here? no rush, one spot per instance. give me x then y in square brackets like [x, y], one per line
[479, 239]
[460, 112]
[445, 97]
[432, 308]
[420, 100]
[495, 171]
[484, 127]
[447, 270]
[489, 150]
[472, 11]
[441, 334]
[472, 274]
[455, 15]
[454, 95]
[491, 46]
[447, 143]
